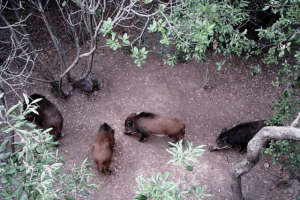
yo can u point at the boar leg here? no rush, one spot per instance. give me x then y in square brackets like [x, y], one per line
[58, 135]
[101, 169]
[142, 138]
[143, 135]
[175, 138]
[107, 171]
[243, 149]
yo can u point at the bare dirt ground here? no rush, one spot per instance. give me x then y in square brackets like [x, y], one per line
[233, 96]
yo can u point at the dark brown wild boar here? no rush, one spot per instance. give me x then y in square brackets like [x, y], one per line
[149, 123]
[103, 148]
[48, 117]
[238, 135]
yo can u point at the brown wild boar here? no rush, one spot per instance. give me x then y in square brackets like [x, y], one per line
[149, 123]
[48, 117]
[103, 148]
[238, 135]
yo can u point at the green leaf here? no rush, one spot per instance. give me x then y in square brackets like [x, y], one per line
[30, 125]
[135, 50]
[85, 193]
[190, 168]
[281, 54]
[15, 193]
[94, 186]
[47, 130]
[266, 8]
[2, 108]
[141, 197]
[12, 171]
[192, 159]
[40, 149]
[12, 109]
[20, 123]
[139, 63]
[33, 110]
[23, 132]
[57, 165]
[22, 196]
[4, 145]
[12, 180]
[4, 156]
[69, 198]
[26, 98]
[36, 100]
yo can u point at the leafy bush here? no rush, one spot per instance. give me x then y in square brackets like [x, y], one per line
[191, 26]
[185, 158]
[158, 187]
[195, 25]
[283, 48]
[288, 148]
[284, 39]
[34, 170]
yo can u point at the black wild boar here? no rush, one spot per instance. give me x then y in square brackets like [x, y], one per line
[103, 148]
[149, 123]
[48, 117]
[238, 135]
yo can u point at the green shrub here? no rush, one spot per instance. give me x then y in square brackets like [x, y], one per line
[160, 188]
[34, 170]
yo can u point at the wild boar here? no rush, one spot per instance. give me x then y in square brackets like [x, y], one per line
[238, 135]
[48, 117]
[103, 148]
[149, 123]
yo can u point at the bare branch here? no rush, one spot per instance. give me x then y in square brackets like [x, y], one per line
[296, 121]
[47, 74]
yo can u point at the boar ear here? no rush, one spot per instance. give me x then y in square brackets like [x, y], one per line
[105, 127]
[133, 114]
[129, 123]
[223, 130]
